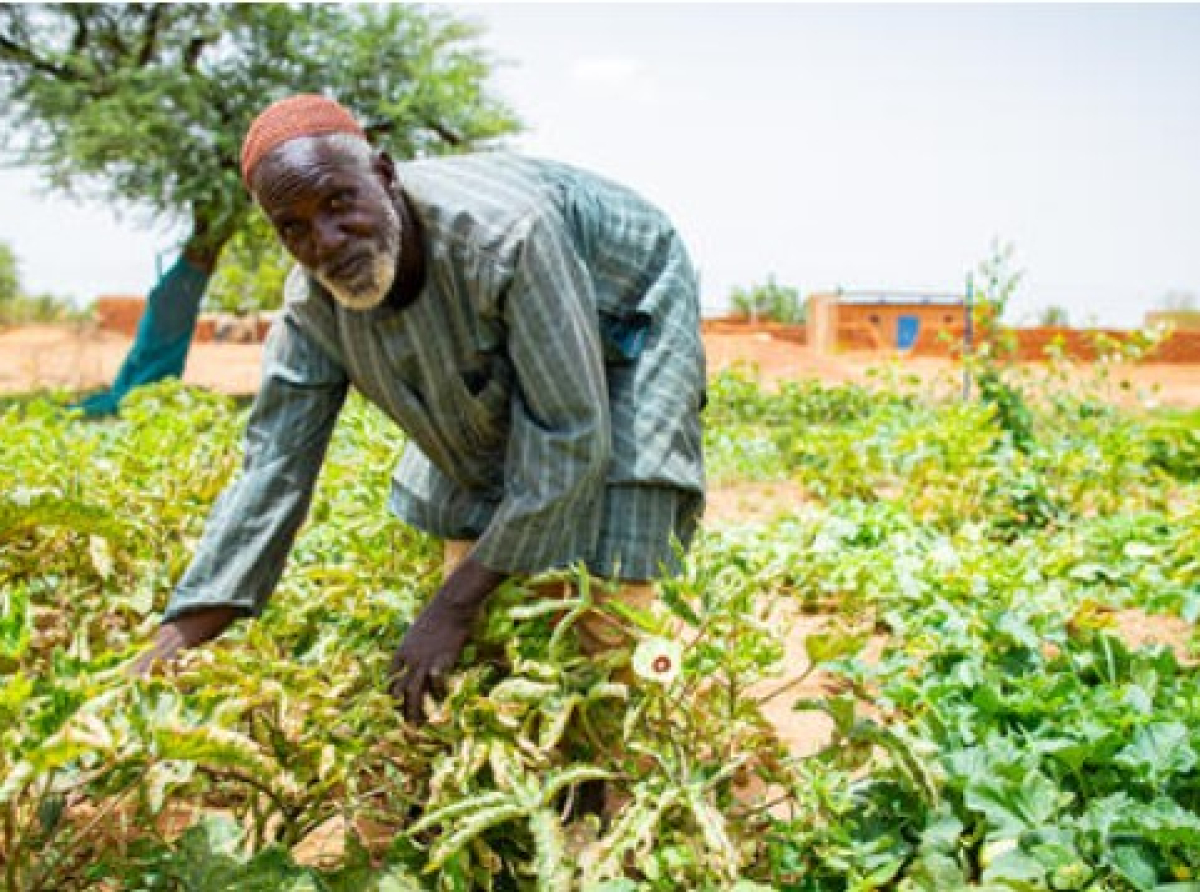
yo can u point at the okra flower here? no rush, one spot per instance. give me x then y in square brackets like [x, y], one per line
[657, 660]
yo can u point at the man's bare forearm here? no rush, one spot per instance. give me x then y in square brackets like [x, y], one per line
[187, 631]
[198, 626]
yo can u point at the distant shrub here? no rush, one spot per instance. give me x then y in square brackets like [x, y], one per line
[772, 301]
[19, 308]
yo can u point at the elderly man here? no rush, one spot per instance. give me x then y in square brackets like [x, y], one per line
[532, 328]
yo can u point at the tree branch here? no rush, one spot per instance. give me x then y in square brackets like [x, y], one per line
[445, 133]
[150, 35]
[191, 53]
[14, 52]
[80, 40]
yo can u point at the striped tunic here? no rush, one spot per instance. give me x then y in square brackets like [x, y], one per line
[549, 377]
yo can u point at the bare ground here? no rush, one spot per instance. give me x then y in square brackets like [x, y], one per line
[46, 357]
[80, 359]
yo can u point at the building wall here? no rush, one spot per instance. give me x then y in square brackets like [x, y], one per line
[1034, 344]
[820, 316]
[1186, 320]
[739, 325]
[836, 326]
[121, 314]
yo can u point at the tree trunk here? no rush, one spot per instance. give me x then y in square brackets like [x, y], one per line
[165, 331]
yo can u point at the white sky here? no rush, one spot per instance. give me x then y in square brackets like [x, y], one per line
[852, 146]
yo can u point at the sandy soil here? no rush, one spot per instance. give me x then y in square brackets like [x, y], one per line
[45, 357]
[82, 359]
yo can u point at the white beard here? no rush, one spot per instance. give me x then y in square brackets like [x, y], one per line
[370, 288]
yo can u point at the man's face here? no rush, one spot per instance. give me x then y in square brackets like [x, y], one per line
[335, 215]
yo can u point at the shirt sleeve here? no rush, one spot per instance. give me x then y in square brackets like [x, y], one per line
[560, 441]
[253, 523]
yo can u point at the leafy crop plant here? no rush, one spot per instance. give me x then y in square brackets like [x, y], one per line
[991, 724]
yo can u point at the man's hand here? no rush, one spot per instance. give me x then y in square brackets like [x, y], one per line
[434, 642]
[187, 631]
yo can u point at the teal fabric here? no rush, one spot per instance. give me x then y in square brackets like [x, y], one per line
[163, 337]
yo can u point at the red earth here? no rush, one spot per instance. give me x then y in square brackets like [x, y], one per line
[82, 358]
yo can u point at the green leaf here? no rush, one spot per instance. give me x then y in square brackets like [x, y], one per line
[463, 807]
[47, 510]
[16, 626]
[524, 691]
[715, 832]
[539, 608]
[825, 647]
[469, 826]
[1137, 862]
[569, 777]
[1017, 869]
[14, 694]
[556, 717]
[1158, 750]
[550, 864]
[50, 811]
[221, 749]
[1014, 804]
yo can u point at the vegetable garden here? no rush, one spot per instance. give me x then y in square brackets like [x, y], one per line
[991, 729]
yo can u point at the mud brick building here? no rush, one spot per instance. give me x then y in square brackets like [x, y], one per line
[901, 321]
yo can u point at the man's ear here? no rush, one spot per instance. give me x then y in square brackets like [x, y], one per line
[385, 168]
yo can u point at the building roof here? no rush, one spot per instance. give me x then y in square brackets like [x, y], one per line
[898, 297]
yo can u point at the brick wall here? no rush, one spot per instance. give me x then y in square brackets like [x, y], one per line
[797, 334]
[1182, 347]
[120, 314]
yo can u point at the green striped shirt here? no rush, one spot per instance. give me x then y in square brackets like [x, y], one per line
[549, 378]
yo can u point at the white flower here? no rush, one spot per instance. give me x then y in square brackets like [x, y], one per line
[1139, 550]
[657, 660]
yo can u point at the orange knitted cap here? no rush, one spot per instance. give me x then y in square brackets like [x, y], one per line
[304, 114]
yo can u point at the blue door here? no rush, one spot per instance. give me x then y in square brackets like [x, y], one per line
[907, 328]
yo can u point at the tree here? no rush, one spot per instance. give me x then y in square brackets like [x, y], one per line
[772, 301]
[10, 281]
[252, 271]
[996, 346]
[145, 105]
[20, 308]
[994, 284]
[1053, 316]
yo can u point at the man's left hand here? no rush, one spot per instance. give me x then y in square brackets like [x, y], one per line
[435, 641]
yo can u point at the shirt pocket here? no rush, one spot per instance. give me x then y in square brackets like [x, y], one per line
[486, 403]
[623, 338]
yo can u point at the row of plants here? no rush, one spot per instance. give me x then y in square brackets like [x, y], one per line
[1002, 736]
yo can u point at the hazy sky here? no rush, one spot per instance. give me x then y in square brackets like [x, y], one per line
[852, 146]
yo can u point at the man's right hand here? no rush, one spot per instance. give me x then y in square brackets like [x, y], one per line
[180, 634]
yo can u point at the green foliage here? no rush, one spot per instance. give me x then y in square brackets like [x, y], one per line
[769, 301]
[987, 726]
[251, 273]
[19, 308]
[997, 284]
[286, 725]
[10, 281]
[145, 105]
[1054, 316]
[748, 428]
[991, 359]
